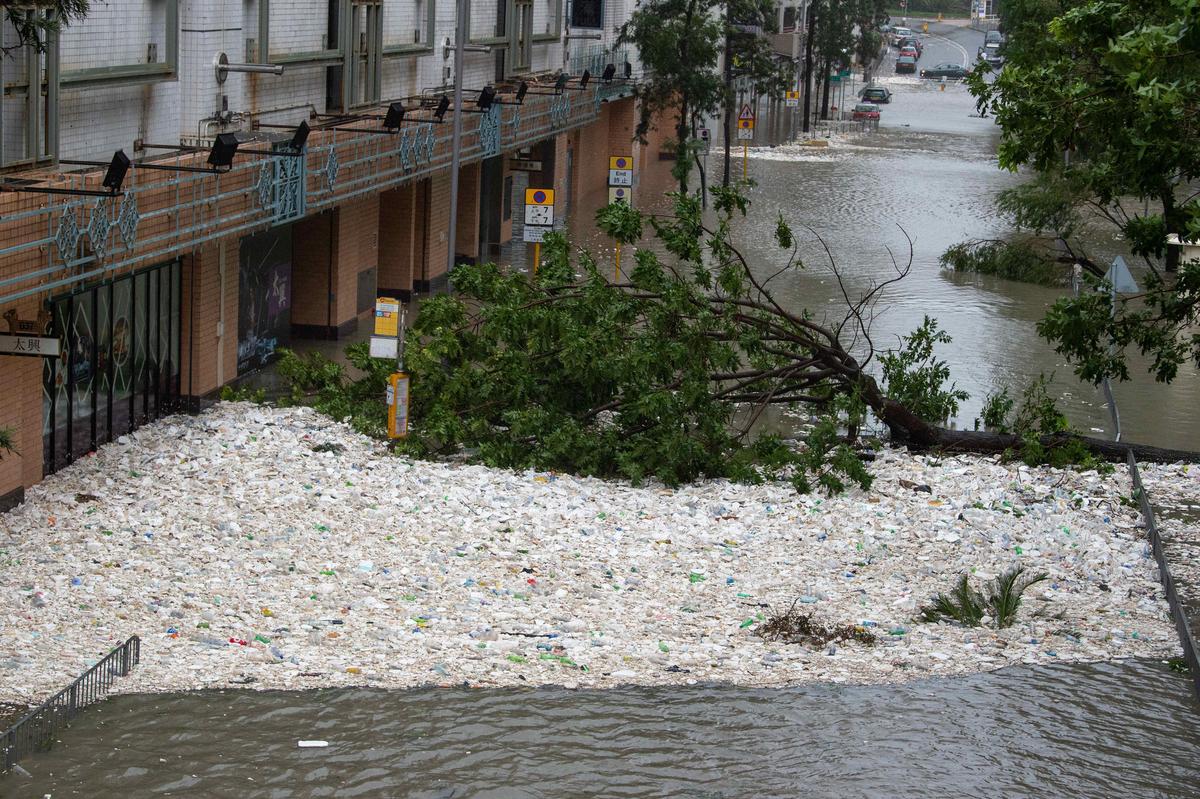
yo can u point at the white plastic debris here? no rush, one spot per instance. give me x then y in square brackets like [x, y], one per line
[276, 548]
[312, 744]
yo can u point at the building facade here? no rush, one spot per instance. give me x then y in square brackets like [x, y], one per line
[205, 262]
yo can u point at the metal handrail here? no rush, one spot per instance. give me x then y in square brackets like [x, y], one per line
[38, 728]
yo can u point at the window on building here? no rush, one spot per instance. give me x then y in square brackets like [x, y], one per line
[587, 14]
[520, 42]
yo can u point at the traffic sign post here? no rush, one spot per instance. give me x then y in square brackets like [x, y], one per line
[792, 100]
[539, 220]
[745, 133]
[620, 171]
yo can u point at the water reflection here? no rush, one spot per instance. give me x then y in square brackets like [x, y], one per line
[1115, 730]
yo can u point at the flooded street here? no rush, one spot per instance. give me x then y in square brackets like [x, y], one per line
[927, 178]
[929, 175]
[1109, 730]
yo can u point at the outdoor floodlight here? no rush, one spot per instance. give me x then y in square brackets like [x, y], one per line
[628, 70]
[610, 72]
[114, 178]
[522, 90]
[561, 82]
[443, 106]
[223, 150]
[487, 96]
[117, 169]
[299, 137]
[395, 116]
[583, 82]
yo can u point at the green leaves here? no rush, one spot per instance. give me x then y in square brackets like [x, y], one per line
[916, 379]
[1102, 98]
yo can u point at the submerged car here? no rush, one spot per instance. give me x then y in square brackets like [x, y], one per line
[991, 54]
[913, 42]
[955, 71]
[910, 52]
[906, 64]
[868, 112]
[876, 94]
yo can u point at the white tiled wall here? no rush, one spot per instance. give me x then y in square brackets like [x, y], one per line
[96, 121]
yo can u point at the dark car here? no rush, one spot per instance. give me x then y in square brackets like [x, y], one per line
[865, 111]
[906, 64]
[955, 71]
[991, 54]
[993, 36]
[876, 94]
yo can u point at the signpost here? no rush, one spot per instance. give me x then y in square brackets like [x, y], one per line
[792, 100]
[31, 345]
[539, 220]
[745, 134]
[388, 342]
[620, 190]
[1122, 282]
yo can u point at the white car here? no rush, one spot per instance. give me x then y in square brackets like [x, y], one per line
[900, 33]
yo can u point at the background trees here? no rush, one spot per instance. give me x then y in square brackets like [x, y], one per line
[681, 43]
[1101, 100]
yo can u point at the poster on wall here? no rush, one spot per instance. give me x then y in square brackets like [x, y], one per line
[264, 297]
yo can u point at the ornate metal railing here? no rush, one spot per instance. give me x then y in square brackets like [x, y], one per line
[38, 728]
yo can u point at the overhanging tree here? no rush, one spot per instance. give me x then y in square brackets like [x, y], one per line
[666, 374]
[1102, 100]
[34, 21]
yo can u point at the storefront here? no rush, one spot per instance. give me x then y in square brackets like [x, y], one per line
[119, 362]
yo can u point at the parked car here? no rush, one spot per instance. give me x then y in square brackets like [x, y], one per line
[991, 54]
[993, 37]
[912, 41]
[909, 52]
[900, 33]
[876, 94]
[954, 71]
[906, 64]
[865, 112]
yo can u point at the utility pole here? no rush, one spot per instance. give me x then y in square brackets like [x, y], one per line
[811, 22]
[460, 38]
[728, 90]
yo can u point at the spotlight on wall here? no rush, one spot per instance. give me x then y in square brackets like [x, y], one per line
[299, 138]
[443, 106]
[522, 90]
[117, 169]
[395, 116]
[222, 152]
[486, 97]
[610, 72]
[583, 82]
[114, 178]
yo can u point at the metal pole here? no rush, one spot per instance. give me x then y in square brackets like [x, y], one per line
[460, 38]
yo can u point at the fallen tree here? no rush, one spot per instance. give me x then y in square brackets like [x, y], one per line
[667, 371]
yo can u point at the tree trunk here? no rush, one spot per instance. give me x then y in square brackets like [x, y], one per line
[909, 429]
[808, 65]
[825, 95]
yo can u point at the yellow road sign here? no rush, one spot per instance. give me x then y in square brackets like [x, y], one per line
[620, 162]
[539, 196]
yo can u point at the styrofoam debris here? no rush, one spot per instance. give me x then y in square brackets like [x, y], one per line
[380, 570]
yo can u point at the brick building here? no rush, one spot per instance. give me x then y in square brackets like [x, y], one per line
[194, 274]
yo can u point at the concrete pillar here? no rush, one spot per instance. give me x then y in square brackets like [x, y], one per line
[436, 201]
[209, 318]
[467, 231]
[398, 247]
